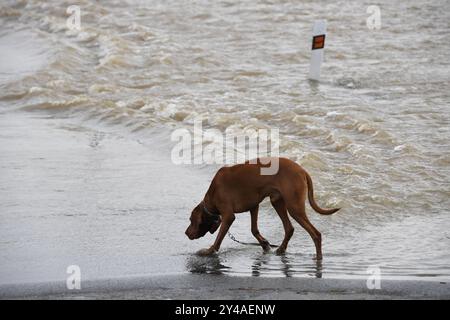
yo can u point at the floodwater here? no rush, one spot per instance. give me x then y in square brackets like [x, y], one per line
[86, 118]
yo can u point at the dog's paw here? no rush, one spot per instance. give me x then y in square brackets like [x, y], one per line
[266, 246]
[280, 251]
[206, 252]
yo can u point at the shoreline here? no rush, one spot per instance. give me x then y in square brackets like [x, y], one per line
[76, 160]
[212, 287]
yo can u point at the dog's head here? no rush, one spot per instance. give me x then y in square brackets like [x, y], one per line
[201, 223]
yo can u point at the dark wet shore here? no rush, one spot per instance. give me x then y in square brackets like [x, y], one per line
[192, 286]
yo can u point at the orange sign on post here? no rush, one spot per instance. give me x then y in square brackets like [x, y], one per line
[318, 42]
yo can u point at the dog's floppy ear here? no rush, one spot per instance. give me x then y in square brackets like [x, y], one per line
[215, 225]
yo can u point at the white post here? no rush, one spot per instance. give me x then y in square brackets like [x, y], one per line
[318, 45]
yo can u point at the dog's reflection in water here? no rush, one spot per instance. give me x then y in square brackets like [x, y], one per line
[210, 265]
[263, 264]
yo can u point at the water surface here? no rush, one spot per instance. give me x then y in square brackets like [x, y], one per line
[86, 121]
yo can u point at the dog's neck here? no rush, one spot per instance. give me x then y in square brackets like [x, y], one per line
[209, 212]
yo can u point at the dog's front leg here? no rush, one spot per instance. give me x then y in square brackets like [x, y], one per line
[262, 241]
[227, 221]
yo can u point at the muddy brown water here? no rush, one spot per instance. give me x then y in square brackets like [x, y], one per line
[86, 118]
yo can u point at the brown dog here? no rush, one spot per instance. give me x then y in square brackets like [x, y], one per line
[242, 187]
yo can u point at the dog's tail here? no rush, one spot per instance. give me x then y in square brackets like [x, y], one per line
[312, 202]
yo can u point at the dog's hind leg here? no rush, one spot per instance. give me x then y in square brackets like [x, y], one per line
[280, 207]
[297, 211]
[255, 231]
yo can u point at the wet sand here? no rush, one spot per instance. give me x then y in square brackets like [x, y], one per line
[77, 193]
[222, 287]
[71, 195]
